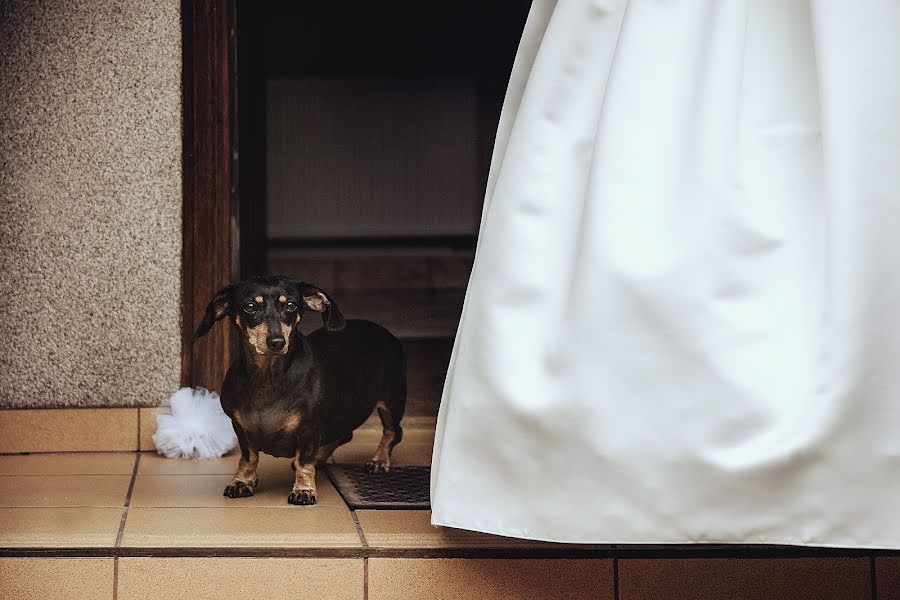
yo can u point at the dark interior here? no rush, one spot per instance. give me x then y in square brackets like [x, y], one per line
[364, 134]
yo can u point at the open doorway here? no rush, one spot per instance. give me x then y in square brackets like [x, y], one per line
[364, 134]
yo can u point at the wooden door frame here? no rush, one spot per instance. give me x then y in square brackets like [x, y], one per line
[207, 236]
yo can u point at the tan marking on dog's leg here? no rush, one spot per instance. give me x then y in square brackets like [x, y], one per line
[304, 491]
[381, 462]
[245, 479]
[246, 470]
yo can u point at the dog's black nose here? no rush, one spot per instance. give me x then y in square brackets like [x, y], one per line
[275, 342]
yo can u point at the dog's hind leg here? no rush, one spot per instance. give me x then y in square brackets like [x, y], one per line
[391, 435]
[390, 411]
[326, 450]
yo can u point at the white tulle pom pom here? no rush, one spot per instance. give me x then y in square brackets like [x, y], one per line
[197, 427]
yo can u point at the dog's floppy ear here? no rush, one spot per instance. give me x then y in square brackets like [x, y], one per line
[316, 299]
[217, 309]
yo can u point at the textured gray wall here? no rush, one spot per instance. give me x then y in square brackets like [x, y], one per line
[90, 202]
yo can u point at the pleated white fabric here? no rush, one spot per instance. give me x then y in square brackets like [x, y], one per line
[683, 324]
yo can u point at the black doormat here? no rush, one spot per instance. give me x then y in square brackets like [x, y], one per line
[402, 488]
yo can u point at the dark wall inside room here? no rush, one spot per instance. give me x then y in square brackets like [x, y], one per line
[381, 114]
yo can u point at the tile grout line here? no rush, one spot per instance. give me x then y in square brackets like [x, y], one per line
[137, 462]
[873, 570]
[115, 582]
[359, 530]
[353, 552]
[362, 539]
[68, 474]
[615, 578]
[134, 470]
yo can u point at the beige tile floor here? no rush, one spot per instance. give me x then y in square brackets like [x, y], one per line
[168, 530]
[135, 525]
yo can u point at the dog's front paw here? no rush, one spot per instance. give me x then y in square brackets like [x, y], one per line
[378, 465]
[302, 496]
[238, 489]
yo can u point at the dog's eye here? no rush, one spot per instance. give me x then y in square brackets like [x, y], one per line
[290, 306]
[250, 307]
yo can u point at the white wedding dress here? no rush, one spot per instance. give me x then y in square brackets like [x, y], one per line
[683, 324]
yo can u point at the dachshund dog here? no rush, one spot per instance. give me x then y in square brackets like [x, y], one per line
[298, 396]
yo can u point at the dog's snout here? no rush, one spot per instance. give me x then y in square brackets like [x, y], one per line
[275, 342]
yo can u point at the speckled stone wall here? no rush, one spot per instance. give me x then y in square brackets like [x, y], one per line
[90, 202]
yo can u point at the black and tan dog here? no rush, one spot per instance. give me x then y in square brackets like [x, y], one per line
[298, 396]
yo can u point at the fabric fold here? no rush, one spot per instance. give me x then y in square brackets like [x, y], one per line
[679, 326]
